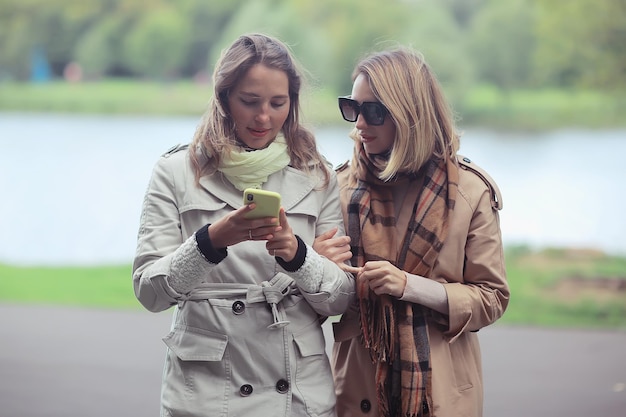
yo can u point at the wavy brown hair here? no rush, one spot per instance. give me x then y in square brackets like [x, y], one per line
[215, 135]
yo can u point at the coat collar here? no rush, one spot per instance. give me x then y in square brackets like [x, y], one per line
[292, 184]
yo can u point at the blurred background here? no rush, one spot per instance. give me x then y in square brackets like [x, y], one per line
[92, 92]
[519, 64]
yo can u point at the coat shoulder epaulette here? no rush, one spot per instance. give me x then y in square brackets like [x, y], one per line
[342, 166]
[496, 197]
[174, 149]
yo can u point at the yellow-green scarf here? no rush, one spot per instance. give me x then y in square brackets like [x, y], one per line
[251, 169]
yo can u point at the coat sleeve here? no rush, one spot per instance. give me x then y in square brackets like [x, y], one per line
[337, 288]
[471, 264]
[161, 250]
[482, 295]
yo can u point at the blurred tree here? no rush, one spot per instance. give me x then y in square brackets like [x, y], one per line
[463, 11]
[329, 37]
[582, 43]
[502, 43]
[54, 26]
[433, 29]
[206, 21]
[15, 42]
[351, 29]
[286, 21]
[60, 23]
[562, 43]
[99, 51]
[156, 45]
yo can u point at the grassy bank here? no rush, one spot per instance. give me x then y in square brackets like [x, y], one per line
[566, 288]
[543, 109]
[110, 97]
[481, 106]
[556, 287]
[98, 286]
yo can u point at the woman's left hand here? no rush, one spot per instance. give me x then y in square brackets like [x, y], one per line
[383, 278]
[283, 243]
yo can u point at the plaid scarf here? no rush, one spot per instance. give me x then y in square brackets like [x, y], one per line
[395, 331]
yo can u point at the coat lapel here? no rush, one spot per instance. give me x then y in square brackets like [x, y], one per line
[293, 186]
[219, 187]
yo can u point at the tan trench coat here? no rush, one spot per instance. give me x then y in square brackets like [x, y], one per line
[222, 359]
[471, 267]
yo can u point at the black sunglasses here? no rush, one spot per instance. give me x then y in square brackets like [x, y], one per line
[373, 112]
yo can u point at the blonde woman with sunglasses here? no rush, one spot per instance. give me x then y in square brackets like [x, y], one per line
[423, 236]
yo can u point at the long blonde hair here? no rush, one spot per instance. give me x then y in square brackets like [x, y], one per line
[403, 82]
[215, 135]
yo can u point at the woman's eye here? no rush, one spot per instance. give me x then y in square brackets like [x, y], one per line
[248, 103]
[278, 104]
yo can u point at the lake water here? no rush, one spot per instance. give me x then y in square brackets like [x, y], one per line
[72, 186]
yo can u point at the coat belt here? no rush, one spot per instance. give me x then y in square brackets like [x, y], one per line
[271, 292]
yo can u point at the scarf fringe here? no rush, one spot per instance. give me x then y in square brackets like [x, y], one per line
[379, 333]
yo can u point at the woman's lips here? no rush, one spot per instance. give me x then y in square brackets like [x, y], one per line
[258, 133]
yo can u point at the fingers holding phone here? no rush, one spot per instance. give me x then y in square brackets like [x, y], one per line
[284, 243]
[256, 220]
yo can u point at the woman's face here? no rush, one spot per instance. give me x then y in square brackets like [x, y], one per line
[375, 139]
[259, 105]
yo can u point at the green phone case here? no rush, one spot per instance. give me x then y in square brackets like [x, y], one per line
[267, 203]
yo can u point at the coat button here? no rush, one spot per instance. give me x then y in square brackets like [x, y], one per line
[238, 307]
[366, 406]
[245, 390]
[282, 386]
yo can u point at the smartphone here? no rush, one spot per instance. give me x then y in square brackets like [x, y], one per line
[267, 203]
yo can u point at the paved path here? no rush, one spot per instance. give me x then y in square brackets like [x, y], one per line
[65, 362]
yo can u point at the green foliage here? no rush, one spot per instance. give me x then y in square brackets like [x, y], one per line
[102, 286]
[502, 43]
[484, 106]
[100, 49]
[14, 42]
[514, 44]
[109, 97]
[566, 288]
[434, 32]
[487, 105]
[156, 44]
[205, 22]
[581, 43]
[463, 11]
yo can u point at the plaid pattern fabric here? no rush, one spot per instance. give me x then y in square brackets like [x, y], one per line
[394, 331]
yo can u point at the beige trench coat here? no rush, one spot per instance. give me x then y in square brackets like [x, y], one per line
[471, 267]
[222, 359]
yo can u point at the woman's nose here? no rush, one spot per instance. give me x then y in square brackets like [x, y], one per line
[360, 122]
[263, 114]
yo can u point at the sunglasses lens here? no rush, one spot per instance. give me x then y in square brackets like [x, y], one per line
[374, 113]
[348, 109]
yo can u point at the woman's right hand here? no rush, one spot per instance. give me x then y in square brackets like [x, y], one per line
[337, 249]
[234, 228]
